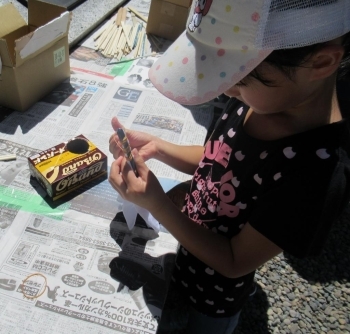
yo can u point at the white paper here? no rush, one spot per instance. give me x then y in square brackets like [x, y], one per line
[130, 211]
[45, 34]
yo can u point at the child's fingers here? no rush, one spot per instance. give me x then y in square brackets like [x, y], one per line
[115, 177]
[141, 167]
[114, 147]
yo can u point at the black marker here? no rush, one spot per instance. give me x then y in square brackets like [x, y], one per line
[127, 149]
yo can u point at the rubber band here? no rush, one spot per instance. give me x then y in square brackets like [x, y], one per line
[37, 295]
[116, 141]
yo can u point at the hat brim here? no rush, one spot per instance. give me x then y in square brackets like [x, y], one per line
[193, 73]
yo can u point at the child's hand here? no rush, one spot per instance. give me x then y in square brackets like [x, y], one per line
[145, 190]
[145, 143]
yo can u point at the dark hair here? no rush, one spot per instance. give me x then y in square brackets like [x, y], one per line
[288, 60]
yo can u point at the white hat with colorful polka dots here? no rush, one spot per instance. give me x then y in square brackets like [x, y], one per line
[226, 39]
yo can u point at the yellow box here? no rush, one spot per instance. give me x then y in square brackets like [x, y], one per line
[67, 166]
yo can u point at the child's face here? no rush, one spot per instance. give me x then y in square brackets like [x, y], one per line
[284, 95]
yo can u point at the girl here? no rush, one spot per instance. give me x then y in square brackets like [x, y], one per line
[275, 173]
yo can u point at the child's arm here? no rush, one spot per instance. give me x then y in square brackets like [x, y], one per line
[232, 258]
[182, 158]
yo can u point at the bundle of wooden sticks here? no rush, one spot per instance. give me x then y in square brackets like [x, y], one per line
[119, 39]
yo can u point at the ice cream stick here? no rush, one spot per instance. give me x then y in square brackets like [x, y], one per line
[140, 16]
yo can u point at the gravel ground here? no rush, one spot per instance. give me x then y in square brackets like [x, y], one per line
[304, 296]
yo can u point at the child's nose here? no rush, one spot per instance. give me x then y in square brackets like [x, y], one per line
[233, 92]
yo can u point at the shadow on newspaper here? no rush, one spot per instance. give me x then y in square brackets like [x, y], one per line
[144, 277]
[66, 199]
[64, 95]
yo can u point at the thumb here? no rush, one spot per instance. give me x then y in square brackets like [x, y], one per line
[116, 124]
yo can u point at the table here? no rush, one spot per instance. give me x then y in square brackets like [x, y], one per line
[70, 244]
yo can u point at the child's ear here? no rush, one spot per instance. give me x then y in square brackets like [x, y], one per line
[326, 61]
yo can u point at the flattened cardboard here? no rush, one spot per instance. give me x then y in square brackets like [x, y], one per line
[41, 39]
[168, 19]
[60, 171]
[34, 57]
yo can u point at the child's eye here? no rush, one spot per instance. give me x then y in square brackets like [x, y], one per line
[240, 84]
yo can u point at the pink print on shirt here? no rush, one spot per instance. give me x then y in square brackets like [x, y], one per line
[220, 152]
[212, 198]
[226, 195]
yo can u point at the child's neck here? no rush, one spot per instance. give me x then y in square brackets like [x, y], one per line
[312, 114]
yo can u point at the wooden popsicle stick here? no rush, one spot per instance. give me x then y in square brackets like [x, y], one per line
[133, 36]
[136, 35]
[143, 43]
[116, 41]
[140, 44]
[134, 20]
[126, 30]
[104, 36]
[118, 19]
[109, 47]
[119, 39]
[119, 55]
[148, 46]
[140, 16]
[100, 32]
[8, 157]
[111, 38]
[108, 38]
[137, 44]
[121, 43]
[124, 13]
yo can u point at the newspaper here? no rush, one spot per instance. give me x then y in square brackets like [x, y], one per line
[70, 244]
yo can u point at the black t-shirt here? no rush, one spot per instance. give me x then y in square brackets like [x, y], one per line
[291, 190]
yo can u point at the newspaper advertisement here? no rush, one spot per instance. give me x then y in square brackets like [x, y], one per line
[73, 265]
[89, 275]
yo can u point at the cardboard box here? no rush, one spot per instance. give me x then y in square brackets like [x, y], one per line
[167, 18]
[67, 166]
[34, 58]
